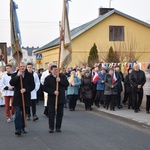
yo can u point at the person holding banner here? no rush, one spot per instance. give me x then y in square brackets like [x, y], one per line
[50, 88]
[28, 85]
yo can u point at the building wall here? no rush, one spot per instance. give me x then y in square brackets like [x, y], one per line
[136, 40]
[48, 55]
[136, 36]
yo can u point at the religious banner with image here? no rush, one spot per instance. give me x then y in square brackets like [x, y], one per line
[3, 54]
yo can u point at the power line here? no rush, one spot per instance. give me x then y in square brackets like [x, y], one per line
[38, 22]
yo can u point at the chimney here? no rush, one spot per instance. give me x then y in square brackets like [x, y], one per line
[103, 11]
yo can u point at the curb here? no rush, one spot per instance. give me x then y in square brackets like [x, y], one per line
[123, 119]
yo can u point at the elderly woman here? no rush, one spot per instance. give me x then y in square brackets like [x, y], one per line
[147, 88]
[110, 90]
[73, 89]
[86, 90]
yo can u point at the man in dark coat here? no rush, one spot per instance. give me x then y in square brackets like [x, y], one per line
[137, 81]
[50, 88]
[27, 86]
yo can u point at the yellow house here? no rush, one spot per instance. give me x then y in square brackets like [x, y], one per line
[126, 34]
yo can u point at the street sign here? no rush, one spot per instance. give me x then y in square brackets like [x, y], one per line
[38, 61]
[38, 56]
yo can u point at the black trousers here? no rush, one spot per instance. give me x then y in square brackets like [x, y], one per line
[87, 103]
[137, 97]
[52, 115]
[110, 100]
[33, 107]
[99, 98]
[72, 101]
[94, 92]
[147, 102]
[118, 99]
[128, 97]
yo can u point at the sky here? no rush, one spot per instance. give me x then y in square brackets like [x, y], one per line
[39, 19]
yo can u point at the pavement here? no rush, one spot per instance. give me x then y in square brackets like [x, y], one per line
[141, 118]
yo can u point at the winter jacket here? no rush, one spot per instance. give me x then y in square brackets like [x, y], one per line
[86, 88]
[127, 84]
[100, 85]
[74, 89]
[147, 84]
[137, 78]
[28, 84]
[50, 87]
[108, 84]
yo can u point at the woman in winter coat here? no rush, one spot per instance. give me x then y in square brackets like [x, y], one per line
[86, 92]
[73, 90]
[111, 89]
[147, 88]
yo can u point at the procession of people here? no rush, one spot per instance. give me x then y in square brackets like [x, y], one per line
[95, 87]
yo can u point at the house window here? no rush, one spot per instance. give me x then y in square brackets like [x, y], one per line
[116, 33]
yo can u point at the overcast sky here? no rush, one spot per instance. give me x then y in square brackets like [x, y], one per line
[39, 19]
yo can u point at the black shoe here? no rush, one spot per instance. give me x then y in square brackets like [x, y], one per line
[51, 130]
[58, 130]
[90, 108]
[118, 107]
[121, 106]
[23, 131]
[28, 117]
[147, 112]
[98, 106]
[136, 111]
[35, 118]
[18, 132]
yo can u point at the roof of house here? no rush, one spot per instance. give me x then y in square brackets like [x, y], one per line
[81, 29]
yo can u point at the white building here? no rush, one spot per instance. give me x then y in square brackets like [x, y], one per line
[28, 55]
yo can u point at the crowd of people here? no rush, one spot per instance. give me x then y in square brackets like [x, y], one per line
[23, 88]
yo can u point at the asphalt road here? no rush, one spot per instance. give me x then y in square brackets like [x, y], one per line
[81, 130]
